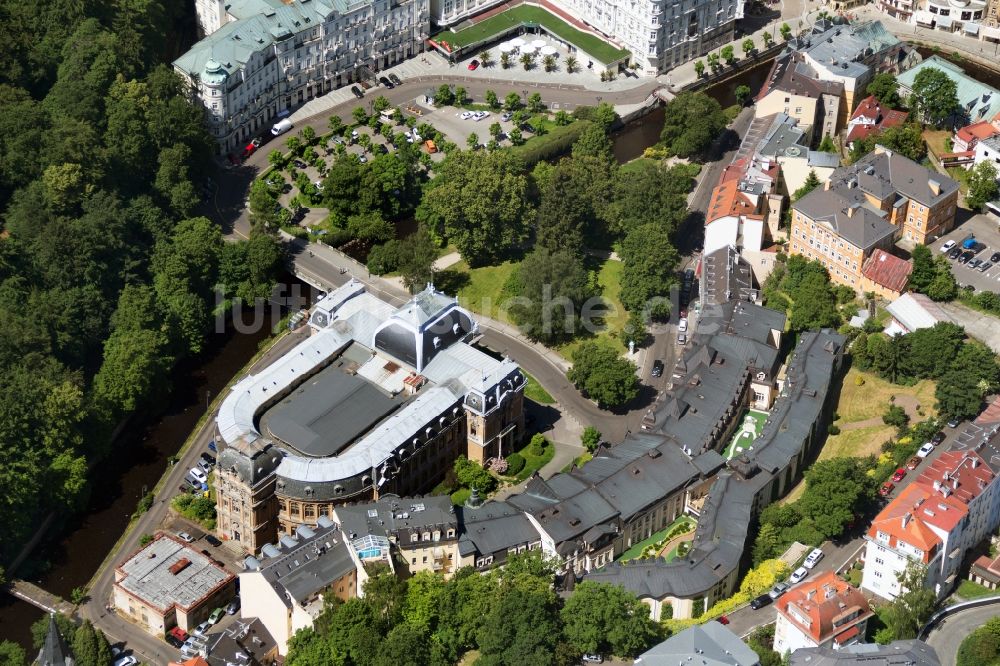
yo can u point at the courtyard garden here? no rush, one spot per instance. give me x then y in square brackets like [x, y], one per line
[670, 542]
[752, 423]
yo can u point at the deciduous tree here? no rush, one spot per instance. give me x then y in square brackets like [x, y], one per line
[482, 201]
[606, 619]
[603, 374]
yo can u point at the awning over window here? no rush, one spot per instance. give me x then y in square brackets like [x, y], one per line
[845, 637]
[989, 32]
[944, 22]
[924, 17]
[972, 28]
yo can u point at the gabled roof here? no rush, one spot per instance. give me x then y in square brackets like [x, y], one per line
[887, 270]
[911, 516]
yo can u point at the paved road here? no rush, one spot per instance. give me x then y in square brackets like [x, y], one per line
[948, 635]
[234, 184]
[147, 647]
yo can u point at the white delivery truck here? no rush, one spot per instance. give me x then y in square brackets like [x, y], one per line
[281, 126]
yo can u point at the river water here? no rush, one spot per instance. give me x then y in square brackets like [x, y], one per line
[71, 557]
[77, 551]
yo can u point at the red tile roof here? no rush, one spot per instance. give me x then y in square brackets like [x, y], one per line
[910, 517]
[881, 118]
[831, 606]
[962, 475]
[976, 131]
[868, 108]
[887, 270]
[728, 200]
[734, 170]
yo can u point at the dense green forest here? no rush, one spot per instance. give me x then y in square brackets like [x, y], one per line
[106, 276]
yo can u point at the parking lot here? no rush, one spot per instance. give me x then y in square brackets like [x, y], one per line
[984, 229]
[448, 120]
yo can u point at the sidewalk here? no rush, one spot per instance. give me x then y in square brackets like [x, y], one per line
[985, 53]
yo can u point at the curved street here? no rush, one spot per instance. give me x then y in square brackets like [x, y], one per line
[950, 632]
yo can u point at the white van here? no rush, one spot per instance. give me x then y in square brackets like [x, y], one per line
[281, 127]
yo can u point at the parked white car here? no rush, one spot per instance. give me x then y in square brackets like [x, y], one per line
[926, 450]
[798, 576]
[682, 325]
[198, 474]
[947, 246]
[813, 558]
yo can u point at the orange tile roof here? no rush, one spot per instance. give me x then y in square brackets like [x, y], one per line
[828, 604]
[887, 270]
[981, 130]
[728, 200]
[911, 515]
[734, 170]
[962, 475]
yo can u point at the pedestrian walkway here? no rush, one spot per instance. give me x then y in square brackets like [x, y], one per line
[985, 53]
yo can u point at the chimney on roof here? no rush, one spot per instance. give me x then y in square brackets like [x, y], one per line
[937, 486]
[954, 484]
[826, 186]
[906, 518]
[974, 461]
[850, 211]
[935, 186]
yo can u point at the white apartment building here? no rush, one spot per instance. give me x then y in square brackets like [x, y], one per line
[261, 58]
[661, 34]
[935, 521]
[823, 611]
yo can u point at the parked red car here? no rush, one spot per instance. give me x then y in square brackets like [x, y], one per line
[886, 488]
[723, 619]
[898, 476]
[473, 65]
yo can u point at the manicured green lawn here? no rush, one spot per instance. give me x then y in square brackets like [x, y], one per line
[609, 276]
[481, 290]
[636, 549]
[503, 21]
[534, 391]
[969, 590]
[738, 438]
[533, 462]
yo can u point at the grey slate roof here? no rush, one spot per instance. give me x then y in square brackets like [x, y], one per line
[841, 48]
[897, 653]
[882, 172]
[715, 552]
[253, 460]
[309, 564]
[796, 410]
[244, 642]
[847, 213]
[721, 537]
[392, 516]
[54, 650]
[709, 644]
[492, 528]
